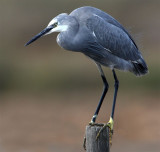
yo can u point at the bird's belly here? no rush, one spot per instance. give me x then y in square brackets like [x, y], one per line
[111, 61]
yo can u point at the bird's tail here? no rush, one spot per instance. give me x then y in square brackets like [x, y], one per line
[140, 67]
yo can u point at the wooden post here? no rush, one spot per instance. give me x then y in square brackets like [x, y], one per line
[102, 143]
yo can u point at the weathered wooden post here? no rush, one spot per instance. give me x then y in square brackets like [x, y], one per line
[100, 144]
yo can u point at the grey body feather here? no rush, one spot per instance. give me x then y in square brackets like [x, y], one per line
[102, 38]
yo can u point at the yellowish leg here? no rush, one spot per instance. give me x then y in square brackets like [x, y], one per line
[110, 125]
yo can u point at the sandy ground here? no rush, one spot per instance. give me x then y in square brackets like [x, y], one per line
[45, 124]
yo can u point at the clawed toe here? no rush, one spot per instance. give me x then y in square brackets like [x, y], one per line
[110, 126]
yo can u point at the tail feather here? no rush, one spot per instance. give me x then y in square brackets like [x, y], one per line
[140, 67]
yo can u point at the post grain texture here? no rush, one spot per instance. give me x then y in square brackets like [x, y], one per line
[101, 144]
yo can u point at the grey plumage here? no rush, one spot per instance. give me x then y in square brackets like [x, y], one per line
[100, 37]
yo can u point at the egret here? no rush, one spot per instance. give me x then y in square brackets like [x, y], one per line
[103, 39]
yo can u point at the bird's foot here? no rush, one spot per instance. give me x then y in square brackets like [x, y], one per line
[93, 120]
[110, 126]
[91, 123]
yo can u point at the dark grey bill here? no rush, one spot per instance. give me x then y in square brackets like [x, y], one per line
[46, 30]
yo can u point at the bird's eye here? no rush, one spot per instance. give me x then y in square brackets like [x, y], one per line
[55, 24]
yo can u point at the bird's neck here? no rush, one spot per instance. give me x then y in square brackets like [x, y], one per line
[66, 39]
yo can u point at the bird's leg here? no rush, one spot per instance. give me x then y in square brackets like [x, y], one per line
[93, 120]
[103, 94]
[111, 122]
[116, 85]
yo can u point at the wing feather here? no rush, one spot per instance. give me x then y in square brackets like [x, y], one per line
[113, 38]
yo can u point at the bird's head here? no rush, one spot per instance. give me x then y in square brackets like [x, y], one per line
[57, 24]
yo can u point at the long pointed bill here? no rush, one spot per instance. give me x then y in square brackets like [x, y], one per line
[46, 30]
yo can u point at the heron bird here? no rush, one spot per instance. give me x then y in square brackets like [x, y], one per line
[103, 39]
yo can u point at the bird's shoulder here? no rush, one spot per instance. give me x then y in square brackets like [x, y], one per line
[108, 33]
[82, 14]
[88, 14]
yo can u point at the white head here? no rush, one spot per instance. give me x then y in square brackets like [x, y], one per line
[57, 24]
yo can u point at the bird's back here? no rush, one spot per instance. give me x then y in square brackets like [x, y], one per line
[83, 13]
[111, 35]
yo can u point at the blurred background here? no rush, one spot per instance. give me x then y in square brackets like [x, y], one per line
[48, 95]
